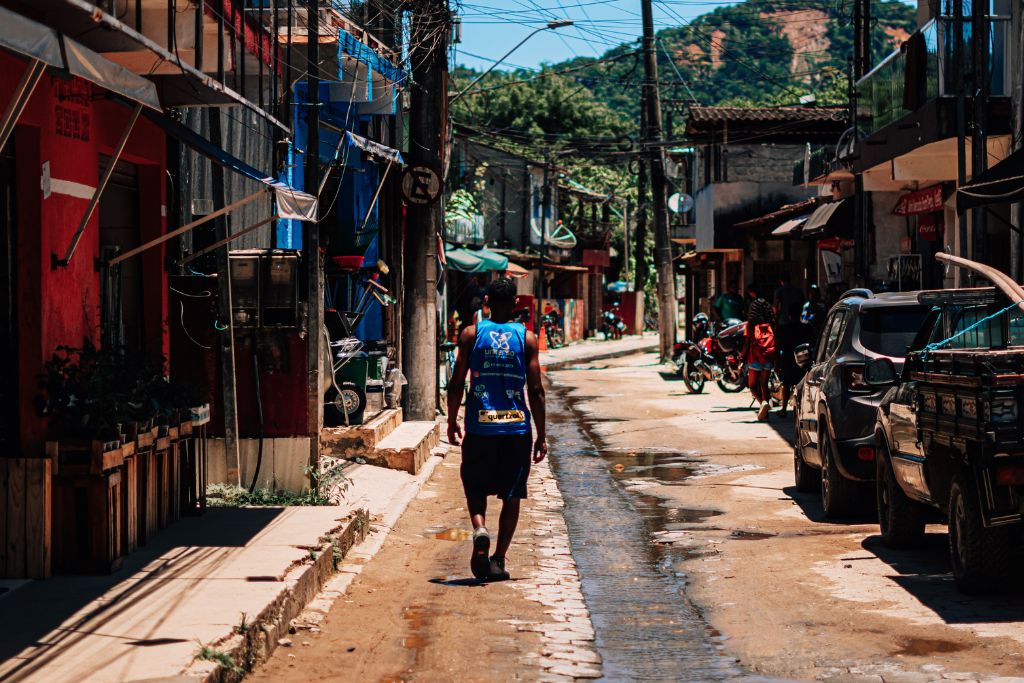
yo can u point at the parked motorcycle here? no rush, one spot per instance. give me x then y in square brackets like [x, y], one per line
[553, 330]
[612, 324]
[714, 354]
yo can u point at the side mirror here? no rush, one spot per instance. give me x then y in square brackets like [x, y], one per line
[802, 355]
[880, 372]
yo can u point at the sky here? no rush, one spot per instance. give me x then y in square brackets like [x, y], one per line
[491, 27]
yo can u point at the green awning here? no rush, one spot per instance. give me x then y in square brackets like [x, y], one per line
[492, 259]
[463, 260]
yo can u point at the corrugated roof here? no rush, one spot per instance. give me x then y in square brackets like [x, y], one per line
[765, 114]
[787, 211]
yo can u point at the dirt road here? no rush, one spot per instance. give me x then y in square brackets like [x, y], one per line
[793, 596]
[415, 613]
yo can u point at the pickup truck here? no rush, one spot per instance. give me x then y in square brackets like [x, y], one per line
[949, 433]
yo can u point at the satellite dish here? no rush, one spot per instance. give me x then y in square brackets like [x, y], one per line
[680, 203]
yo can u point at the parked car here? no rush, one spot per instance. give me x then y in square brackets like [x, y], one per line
[834, 407]
[950, 437]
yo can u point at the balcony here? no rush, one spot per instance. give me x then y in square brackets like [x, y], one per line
[921, 71]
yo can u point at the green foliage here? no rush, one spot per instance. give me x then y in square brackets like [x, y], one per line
[329, 483]
[91, 392]
[219, 657]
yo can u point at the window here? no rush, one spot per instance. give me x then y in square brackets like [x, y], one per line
[970, 330]
[891, 331]
[830, 339]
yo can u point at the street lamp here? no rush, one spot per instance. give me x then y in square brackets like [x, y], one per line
[552, 25]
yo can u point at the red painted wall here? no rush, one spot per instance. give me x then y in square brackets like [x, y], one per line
[69, 123]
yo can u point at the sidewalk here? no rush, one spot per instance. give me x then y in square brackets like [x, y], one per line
[598, 349]
[228, 583]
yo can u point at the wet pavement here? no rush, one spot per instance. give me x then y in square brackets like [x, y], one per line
[646, 627]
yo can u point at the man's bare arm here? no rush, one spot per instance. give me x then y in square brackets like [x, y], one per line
[538, 401]
[457, 383]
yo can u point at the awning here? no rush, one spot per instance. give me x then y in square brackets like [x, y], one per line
[291, 203]
[514, 270]
[829, 219]
[788, 211]
[492, 260]
[84, 63]
[29, 38]
[41, 43]
[375, 149]
[463, 261]
[791, 227]
[1001, 184]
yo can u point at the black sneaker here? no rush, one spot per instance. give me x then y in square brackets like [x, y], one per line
[478, 561]
[498, 571]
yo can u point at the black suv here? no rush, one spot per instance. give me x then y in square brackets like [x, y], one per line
[834, 407]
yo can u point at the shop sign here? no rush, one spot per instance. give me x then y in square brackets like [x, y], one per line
[835, 244]
[923, 201]
[928, 227]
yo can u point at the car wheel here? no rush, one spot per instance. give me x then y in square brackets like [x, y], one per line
[981, 557]
[838, 494]
[901, 519]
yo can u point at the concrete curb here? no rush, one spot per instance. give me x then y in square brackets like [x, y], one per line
[604, 355]
[255, 640]
[314, 586]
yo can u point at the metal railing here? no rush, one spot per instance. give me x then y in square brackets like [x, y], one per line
[883, 95]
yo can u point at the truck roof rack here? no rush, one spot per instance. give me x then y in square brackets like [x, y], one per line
[967, 296]
[860, 292]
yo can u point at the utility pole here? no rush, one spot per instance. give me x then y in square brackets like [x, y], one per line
[979, 144]
[428, 117]
[861, 65]
[640, 276]
[545, 212]
[961, 128]
[659, 200]
[311, 242]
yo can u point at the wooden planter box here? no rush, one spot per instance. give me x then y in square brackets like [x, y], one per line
[26, 509]
[88, 506]
[147, 503]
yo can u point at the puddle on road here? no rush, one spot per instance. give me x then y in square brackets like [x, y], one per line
[454, 534]
[646, 627]
[743, 535]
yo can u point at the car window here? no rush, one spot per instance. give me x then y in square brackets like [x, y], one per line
[970, 328]
[830, 338]
[891, 331]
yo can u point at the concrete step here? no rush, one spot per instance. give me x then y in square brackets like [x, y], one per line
[358, 440]
[406, 448]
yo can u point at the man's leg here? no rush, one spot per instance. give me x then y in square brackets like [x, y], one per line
[507, 526]
[477, 511]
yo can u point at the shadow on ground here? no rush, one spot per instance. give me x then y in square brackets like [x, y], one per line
[35, 616]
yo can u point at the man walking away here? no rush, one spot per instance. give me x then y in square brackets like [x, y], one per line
[788, 299]
[759, 350]
[501, 356]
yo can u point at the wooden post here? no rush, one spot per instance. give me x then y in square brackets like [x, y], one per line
[224, 314]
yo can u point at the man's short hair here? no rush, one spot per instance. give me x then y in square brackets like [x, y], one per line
[502, 292]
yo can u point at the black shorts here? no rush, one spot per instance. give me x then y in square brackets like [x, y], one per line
[496, 465]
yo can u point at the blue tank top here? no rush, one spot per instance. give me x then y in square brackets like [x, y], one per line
[497, 389]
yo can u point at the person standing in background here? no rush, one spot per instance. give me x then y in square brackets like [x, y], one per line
[728, 304]
[759, 349]
[788, 299]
